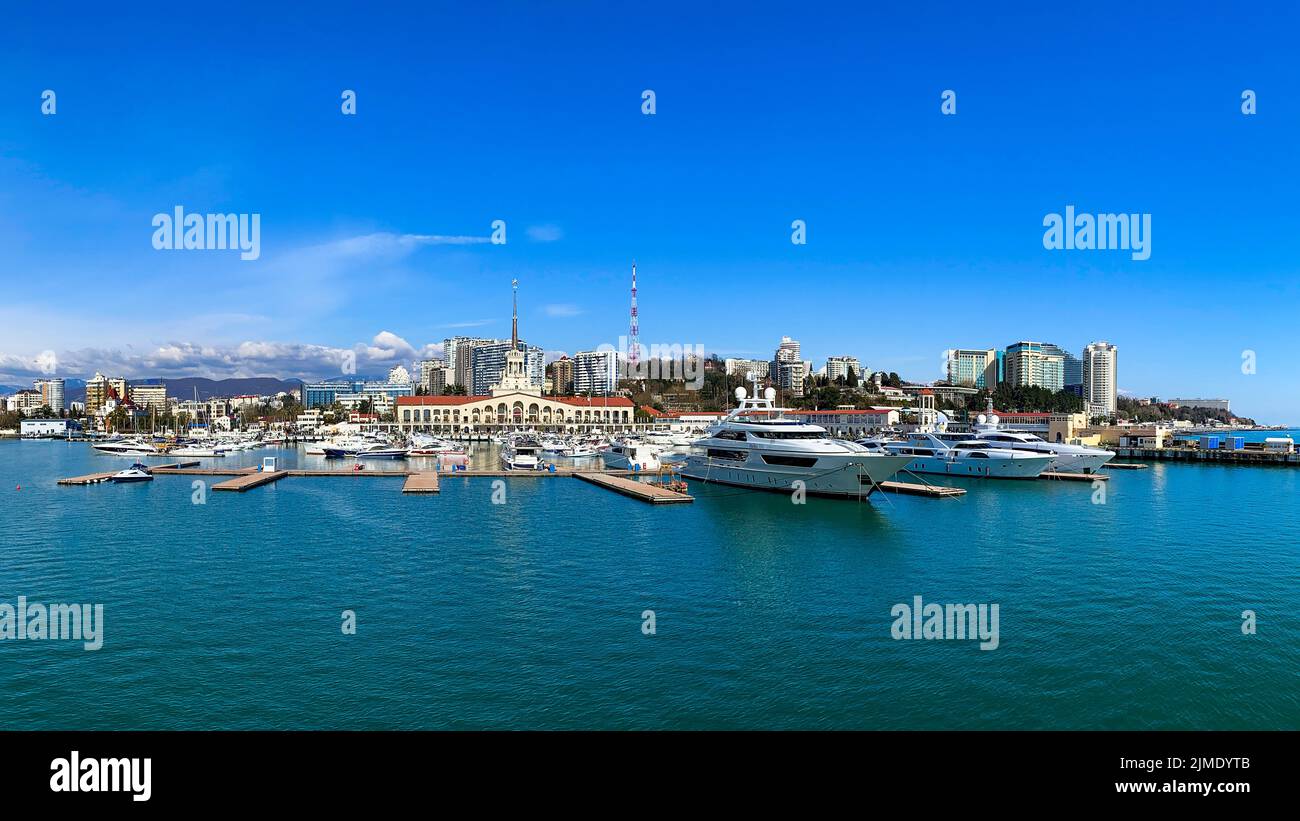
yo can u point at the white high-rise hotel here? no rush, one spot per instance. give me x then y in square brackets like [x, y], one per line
[1099, 391]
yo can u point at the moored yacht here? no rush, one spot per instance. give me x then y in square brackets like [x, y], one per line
[959, 454]
[1066, 458]
[136, 473]
[127, 447]
[758, 446]
[521, 454]
[631, 455]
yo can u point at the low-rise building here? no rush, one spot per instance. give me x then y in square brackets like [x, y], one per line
[48, 428]
[480, 414]
[849, 424]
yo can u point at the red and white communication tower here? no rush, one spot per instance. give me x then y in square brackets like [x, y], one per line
[634, 328]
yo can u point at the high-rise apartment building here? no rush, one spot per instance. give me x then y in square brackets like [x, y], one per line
[562, 376]
[839, 366]
[458, 351]
[488, 364]
[747, 368]
[51, 393]
[595, 373]
[148, 397]
[1099, 391]
[1028, 364]
[973, 367]
[98, 389]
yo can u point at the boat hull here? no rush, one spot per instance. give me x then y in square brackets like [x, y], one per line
[1028, 468]
[849, 476]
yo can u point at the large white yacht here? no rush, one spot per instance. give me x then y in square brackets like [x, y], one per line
[758, 446]
[960, 454]
[1066, 458]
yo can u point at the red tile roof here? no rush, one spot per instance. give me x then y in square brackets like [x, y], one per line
[653, 412]
[579, 401]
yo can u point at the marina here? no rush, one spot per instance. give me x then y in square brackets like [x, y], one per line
[553, 582]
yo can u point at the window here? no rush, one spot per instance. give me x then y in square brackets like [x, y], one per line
[733, 455]
[733, 435]
[791, 461]
[789, 434]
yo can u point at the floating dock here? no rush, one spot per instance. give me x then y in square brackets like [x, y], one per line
[913, 489]
[1126, 466]
[252, 479]
[88, 479]
[1074, 477]
[421, 483]
[645, 491]
[96, 478]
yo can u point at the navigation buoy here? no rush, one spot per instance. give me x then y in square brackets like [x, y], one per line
[19, 487]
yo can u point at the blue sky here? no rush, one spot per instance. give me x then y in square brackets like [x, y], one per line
[924, 230]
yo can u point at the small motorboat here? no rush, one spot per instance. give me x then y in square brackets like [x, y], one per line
[381, 452]
[136, 473]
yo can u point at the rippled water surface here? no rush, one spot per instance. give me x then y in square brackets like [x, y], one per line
[529, 614]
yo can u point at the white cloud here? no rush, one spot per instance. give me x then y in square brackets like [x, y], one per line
[562, 310]
[473, 323]
[246, 359]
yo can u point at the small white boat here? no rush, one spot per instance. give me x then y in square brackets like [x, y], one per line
[422, 444]
[136, 473]
[631, 455]
[196, 450]
[521, 455]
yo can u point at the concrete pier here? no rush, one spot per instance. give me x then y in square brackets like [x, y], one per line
[933, 491]
[421, 483]
[250, 480]
[645, 491]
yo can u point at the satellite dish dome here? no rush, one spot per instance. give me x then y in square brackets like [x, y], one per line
[981, 419]
[993, 420]
[740, 393]
[770, 394]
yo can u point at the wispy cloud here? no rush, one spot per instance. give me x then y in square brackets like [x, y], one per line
[472, 323]
[544, 233]
[562, 309]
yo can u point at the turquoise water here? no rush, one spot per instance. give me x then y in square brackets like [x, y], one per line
[768, 614]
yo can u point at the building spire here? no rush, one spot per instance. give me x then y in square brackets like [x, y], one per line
[514, 316]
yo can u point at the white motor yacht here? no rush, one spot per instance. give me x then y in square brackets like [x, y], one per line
[630, 454]
[136, 473]
[195, 449]
[1066, 458]
[959, 454]
[522, 454]
[127, 447]
[758, 446]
